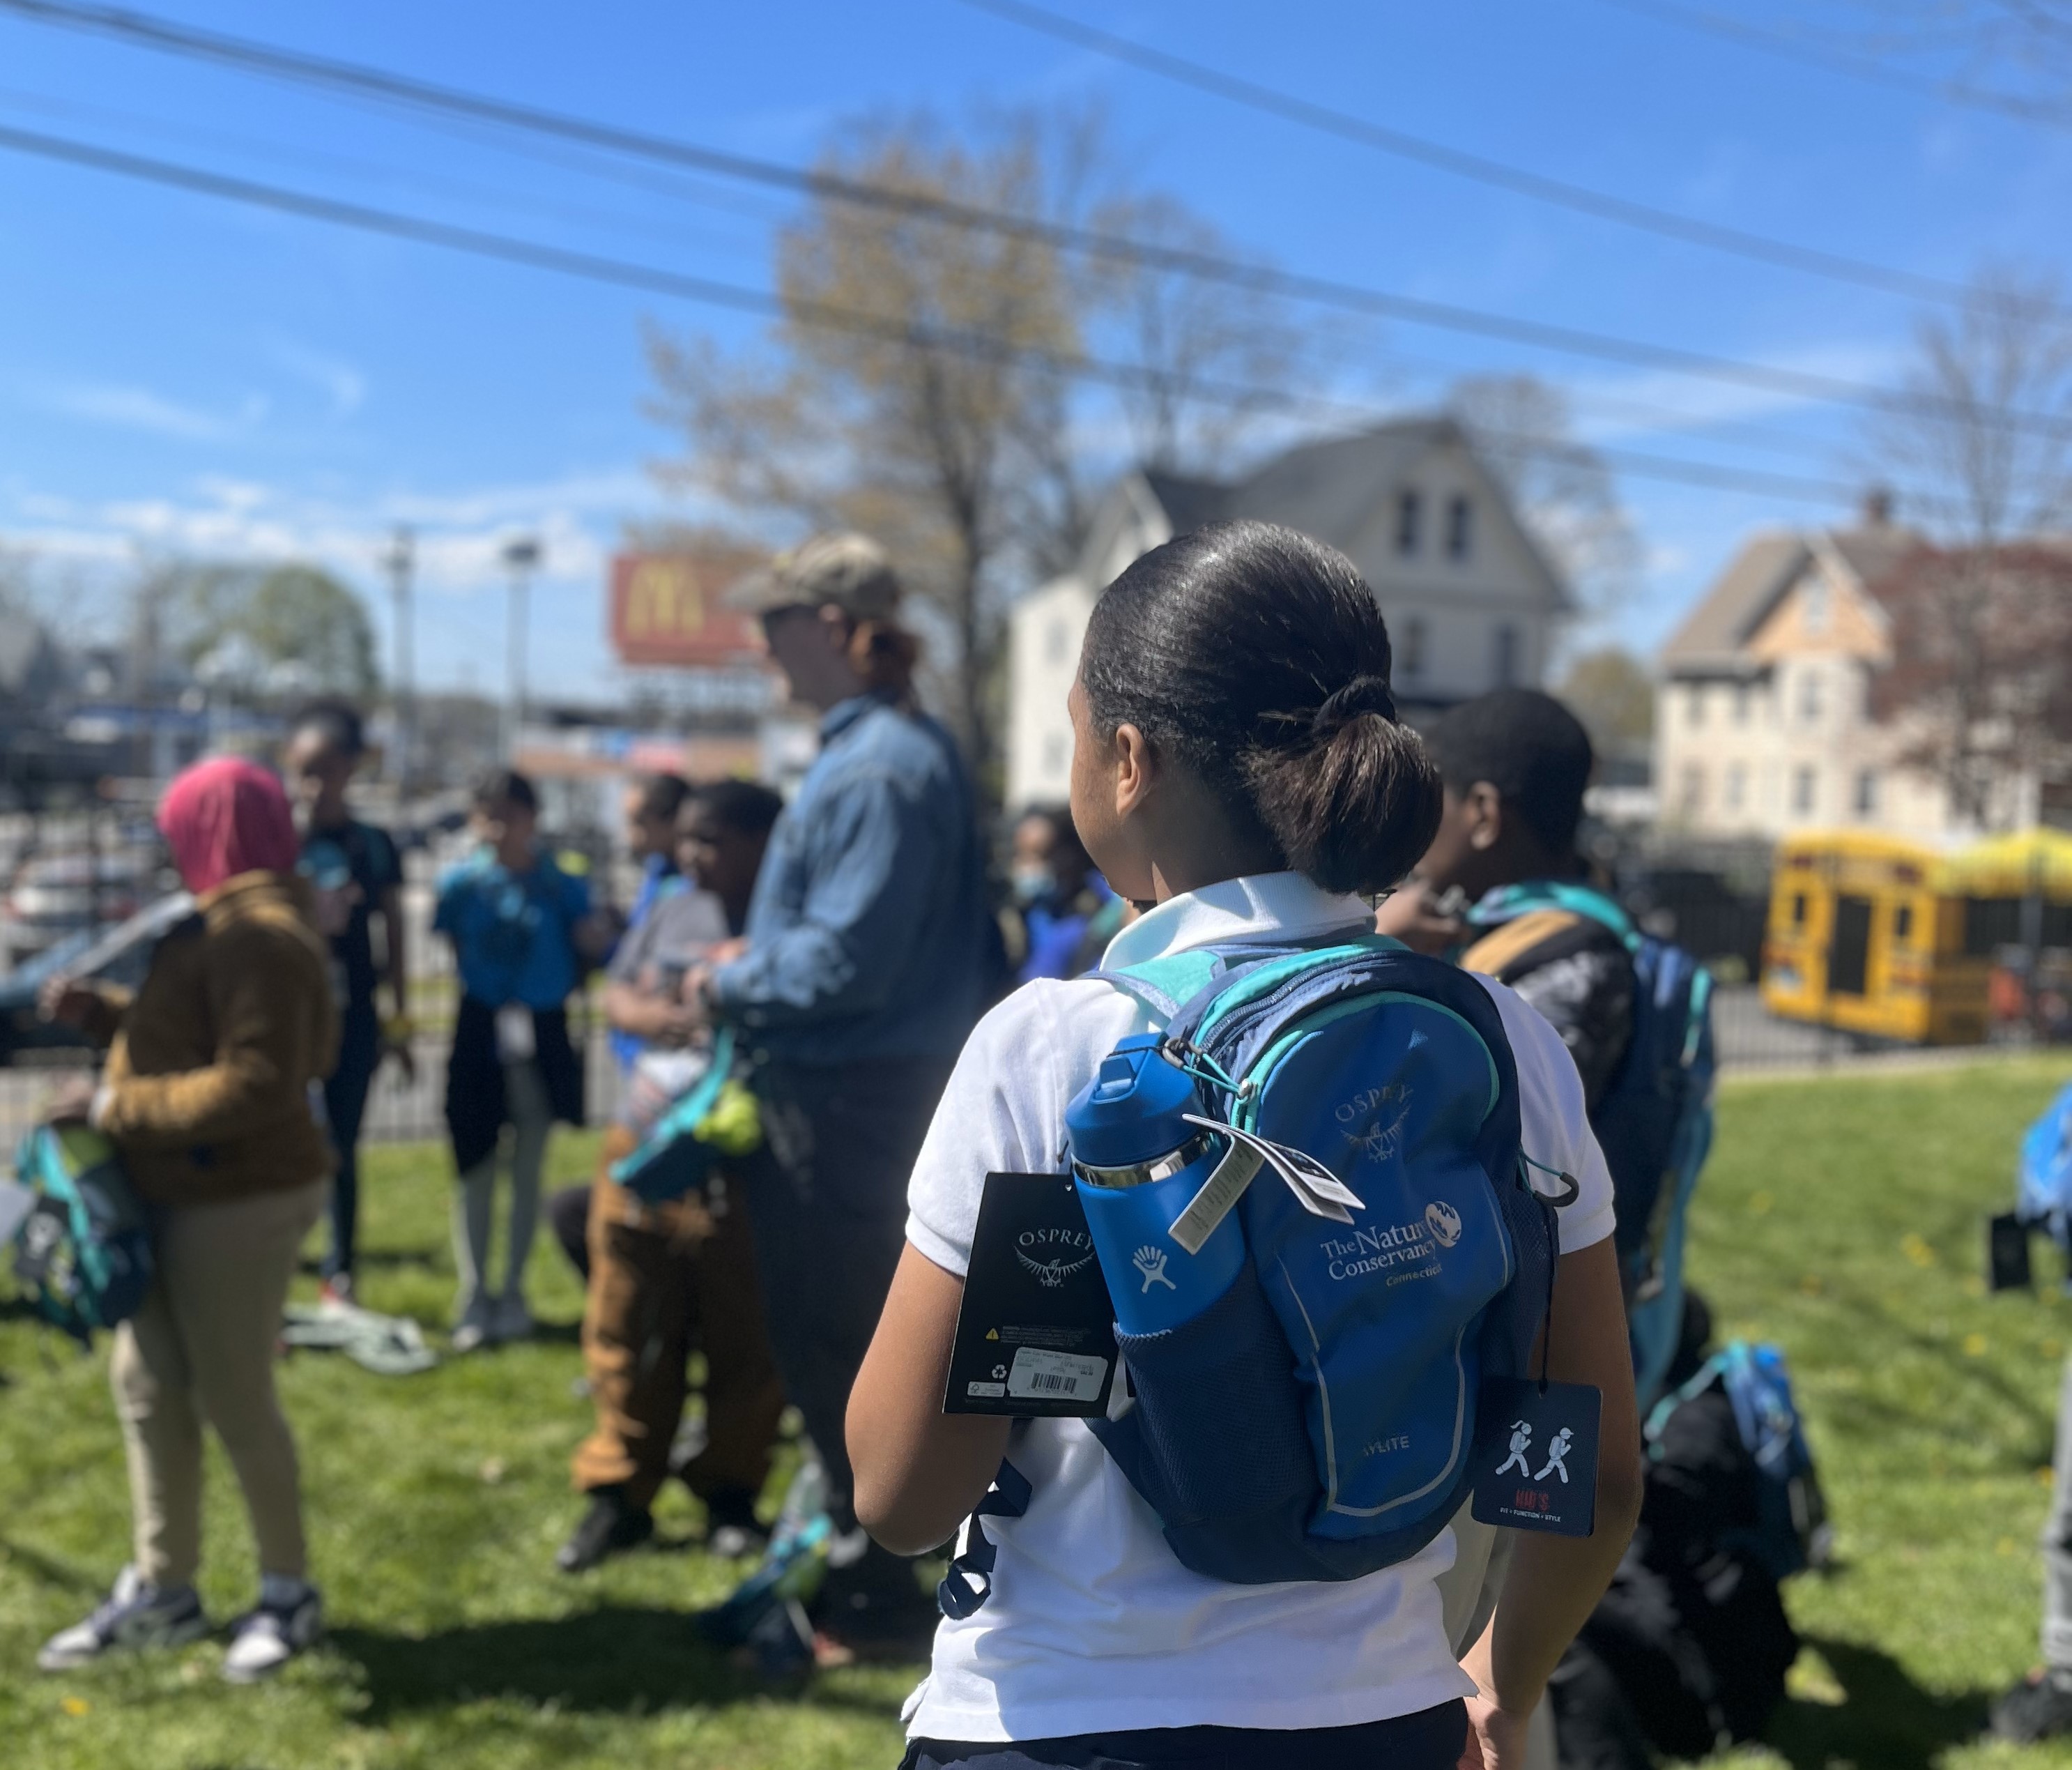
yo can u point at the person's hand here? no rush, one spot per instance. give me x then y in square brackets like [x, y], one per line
[67, 1002]
[1496, 1736]
[726, 952]
[1412, 915]
[71, 1102]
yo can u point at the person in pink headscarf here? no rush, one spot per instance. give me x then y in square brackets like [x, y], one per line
[206, 1095]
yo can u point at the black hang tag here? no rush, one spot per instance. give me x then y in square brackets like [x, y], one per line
[2007, 1253]
[1535, 1456]
[1036, 1330]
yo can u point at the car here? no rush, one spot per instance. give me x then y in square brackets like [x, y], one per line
[73, 892]
[118, 955]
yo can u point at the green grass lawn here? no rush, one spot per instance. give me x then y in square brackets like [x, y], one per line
[1841, 1218]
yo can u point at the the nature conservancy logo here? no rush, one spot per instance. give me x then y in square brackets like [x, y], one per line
[1444, 1221]
[1052, 1255]
[1403, 1250]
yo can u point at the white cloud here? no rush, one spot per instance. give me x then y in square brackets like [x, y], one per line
[133, 408]
[339, 381]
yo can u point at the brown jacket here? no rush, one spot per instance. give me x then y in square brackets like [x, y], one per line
[207, 1093]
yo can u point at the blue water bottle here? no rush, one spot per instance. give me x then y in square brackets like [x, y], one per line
[1138, 1164]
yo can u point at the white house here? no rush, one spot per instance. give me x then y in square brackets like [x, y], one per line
[1471, 601]
[1763, 720]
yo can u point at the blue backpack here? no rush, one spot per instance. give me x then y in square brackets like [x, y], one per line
[1791, 1532]
[1316, 1422]
[1655, 1121]
[83, 1250]
[2043, 1181]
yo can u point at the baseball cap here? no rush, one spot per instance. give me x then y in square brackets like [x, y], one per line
[850, 571]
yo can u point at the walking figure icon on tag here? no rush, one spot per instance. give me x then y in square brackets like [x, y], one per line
[1518, 1424]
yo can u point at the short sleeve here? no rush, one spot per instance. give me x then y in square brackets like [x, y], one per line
[1554, 1128]
[445, 917]
[1000, 1113]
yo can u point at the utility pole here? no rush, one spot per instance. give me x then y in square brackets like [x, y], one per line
[398, 561]
[520, 554]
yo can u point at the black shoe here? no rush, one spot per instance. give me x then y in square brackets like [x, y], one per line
[610, 1526]
[2040, 1707]
[732, 1529]
[875, 1607]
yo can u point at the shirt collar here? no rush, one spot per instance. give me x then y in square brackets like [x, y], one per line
[1261, 905]
[839, 718]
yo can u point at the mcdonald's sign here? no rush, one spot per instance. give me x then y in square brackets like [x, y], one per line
[666, 610]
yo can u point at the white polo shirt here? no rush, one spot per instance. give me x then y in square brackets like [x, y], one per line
[1093, 1625]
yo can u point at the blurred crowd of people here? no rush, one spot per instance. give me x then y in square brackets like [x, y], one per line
[832, 957]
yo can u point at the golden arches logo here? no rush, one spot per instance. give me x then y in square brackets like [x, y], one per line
[664, 601]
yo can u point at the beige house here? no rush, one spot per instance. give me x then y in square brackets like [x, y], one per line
[1472, 602]
[1763, 716]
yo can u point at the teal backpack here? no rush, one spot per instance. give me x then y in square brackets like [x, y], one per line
[83, 1246]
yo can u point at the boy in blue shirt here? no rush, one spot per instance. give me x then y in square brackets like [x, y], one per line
[524, 934]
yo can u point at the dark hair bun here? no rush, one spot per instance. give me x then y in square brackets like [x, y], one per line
[1355, 809]
[1259, 659]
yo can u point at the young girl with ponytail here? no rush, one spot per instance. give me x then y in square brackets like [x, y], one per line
[1239, 769]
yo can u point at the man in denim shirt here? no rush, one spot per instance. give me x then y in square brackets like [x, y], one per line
[860, 972]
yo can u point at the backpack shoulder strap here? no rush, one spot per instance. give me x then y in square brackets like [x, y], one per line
[1511, 901]
[1163, 984]
[1525, 943]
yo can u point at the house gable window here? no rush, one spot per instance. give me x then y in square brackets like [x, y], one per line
[1506, 662]
[1409, 515]
[1459, 519]
[1410, 650]
[1867, 792]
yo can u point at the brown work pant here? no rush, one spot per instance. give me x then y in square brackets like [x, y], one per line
[661, 1278]
[201, 1351]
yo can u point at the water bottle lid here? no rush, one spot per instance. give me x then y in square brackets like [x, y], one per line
[1132, 1111]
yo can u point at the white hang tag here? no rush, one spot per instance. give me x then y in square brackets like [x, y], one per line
[1318, 1178]
[1220, 1192]
[1324, 1197]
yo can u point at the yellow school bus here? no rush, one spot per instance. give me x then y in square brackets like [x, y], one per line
[1865, 937]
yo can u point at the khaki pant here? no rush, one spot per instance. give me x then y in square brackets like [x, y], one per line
[661, 1278]
[201, 1352]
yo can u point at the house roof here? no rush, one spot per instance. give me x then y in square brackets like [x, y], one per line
[1715, 633]
[1328, 489]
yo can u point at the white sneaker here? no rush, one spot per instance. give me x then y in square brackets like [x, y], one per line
[511, 1319]
[134, 1617]
[289, 1618]
[471, 1332]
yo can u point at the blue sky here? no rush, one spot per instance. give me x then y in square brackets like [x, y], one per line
[180, 375]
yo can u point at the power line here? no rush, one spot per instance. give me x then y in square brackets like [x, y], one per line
[1843, 61]
[178, 39]
[1523, 181]
[626, 273]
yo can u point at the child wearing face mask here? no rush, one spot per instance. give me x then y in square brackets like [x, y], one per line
[1063, 912]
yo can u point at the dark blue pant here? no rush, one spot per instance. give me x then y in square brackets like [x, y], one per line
[345, 1105]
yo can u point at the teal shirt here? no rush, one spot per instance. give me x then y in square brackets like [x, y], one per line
[513, 933]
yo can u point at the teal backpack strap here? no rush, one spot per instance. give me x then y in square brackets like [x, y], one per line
[1508, 902]
[1162, 984]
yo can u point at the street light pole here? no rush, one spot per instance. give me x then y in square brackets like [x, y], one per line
[398, 561]
[520, 555]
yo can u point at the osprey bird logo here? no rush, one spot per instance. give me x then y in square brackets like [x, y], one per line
[1050, 1274]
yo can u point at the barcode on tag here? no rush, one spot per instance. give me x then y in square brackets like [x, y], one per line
[1038, 1374]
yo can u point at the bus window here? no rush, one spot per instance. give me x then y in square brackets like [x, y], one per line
[1798, 910]
[1903, 923]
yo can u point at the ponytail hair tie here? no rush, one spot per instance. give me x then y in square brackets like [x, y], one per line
[1363, 694]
